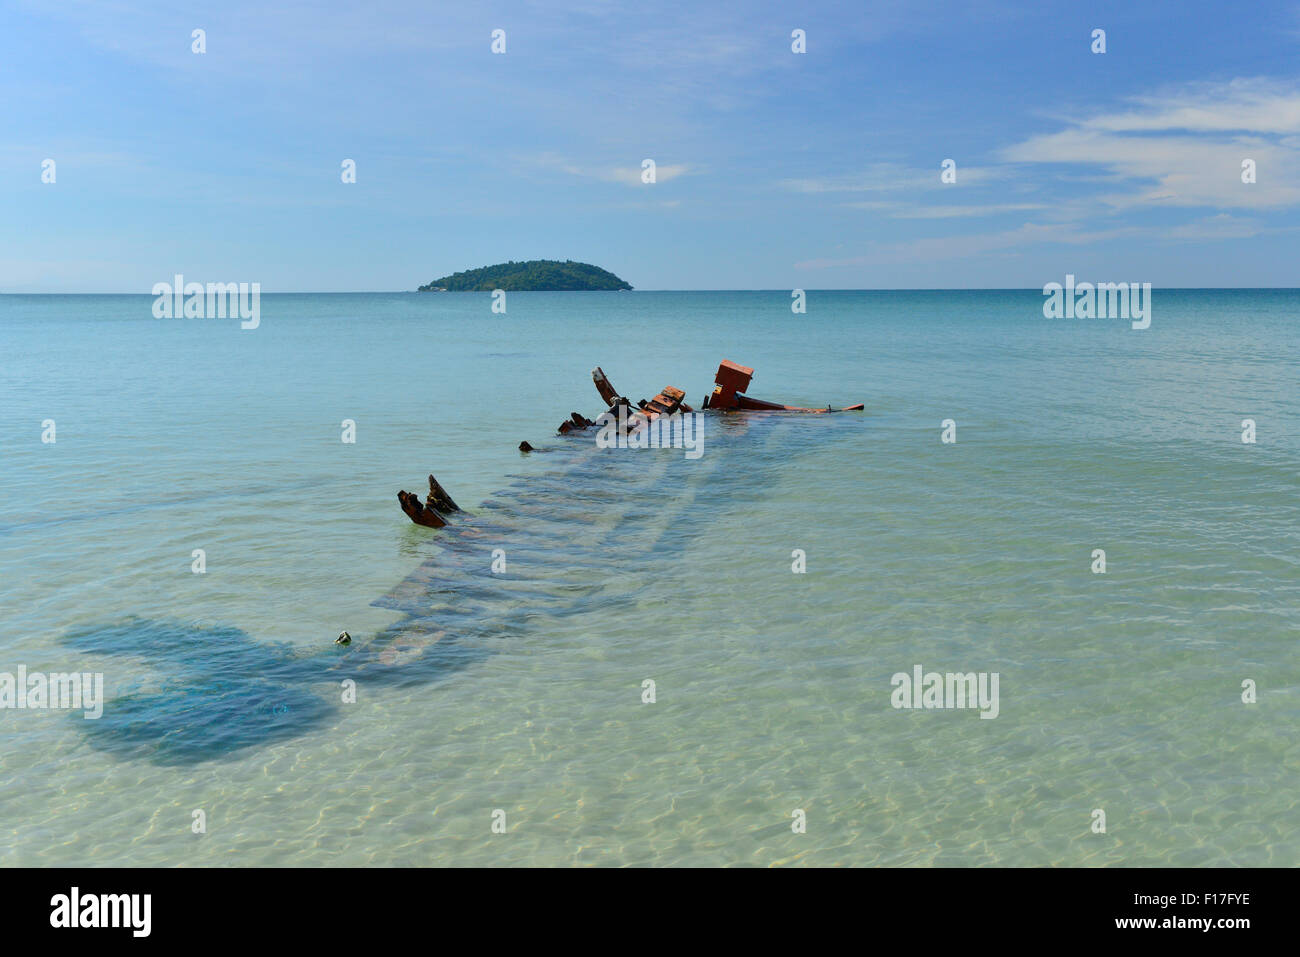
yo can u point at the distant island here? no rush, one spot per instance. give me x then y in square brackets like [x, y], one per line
[537, 275]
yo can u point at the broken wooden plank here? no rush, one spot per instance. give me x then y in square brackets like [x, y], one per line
[439, 499]
[417, 512]
[608, 394]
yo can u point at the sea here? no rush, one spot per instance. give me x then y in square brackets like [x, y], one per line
[632, 656]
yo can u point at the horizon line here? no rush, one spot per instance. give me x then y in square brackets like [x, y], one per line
[416, 292]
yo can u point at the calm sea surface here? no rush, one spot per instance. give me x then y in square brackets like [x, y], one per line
[522, 691]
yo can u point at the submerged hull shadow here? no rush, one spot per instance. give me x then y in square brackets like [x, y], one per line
[219, 693]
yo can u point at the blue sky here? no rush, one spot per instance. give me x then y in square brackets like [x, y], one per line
[775, 170]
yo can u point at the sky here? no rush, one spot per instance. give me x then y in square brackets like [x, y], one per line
[774, 169]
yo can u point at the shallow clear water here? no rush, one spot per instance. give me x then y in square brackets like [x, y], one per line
[522, 692]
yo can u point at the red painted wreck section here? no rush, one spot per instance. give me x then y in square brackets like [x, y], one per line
[729, 393]
[731, 380]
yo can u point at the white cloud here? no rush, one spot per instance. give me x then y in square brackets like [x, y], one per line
[1186, 148]
[953, 212]
[890, 177]
[1254, 105]
[629, 174]
[939, 248]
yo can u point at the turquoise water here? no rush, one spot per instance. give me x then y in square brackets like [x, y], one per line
[522, 691]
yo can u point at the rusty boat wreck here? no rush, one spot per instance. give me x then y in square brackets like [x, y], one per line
[728, 395]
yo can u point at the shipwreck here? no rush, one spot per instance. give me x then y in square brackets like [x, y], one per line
[728, 395]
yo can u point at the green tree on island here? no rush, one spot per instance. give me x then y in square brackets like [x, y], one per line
[533, 275]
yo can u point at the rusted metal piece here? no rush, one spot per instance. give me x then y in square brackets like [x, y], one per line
[729, 393]
[732, 378]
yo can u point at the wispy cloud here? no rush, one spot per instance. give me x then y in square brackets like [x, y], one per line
[889, 177]
[953, 212]
[956, 247]
[1249, 105]
[1187, 147]
[1028, 235]
[629, 174]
